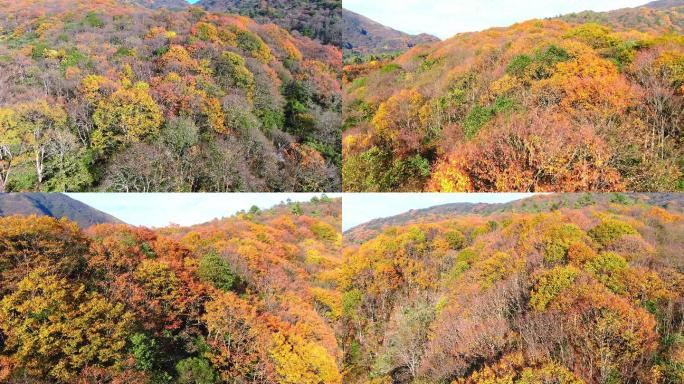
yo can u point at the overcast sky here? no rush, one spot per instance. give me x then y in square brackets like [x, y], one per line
[445, 18]
[359, 208]
[162, 209]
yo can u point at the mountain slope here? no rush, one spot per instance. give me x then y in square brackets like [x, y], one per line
[159, 100]
[520, 297]
[245, 299]
[587, 102]
[54, 205]
[320, 20]
[534, 204]
[363, 36]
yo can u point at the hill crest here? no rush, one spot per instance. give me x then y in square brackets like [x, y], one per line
[363, 36]
[54, 205]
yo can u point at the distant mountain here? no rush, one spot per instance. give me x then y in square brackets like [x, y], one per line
[154, 4]
[665, 4]
[53, 205]
[364, 36]
[319, 19]
[540, 203]
[658, 16]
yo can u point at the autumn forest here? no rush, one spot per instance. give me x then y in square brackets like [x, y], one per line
[583, 102]
[565, 289]
[293, 192]
[99, 95]
[245, 299]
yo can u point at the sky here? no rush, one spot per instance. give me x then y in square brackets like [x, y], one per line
[445, 18]
[359, 208]
[162, 209]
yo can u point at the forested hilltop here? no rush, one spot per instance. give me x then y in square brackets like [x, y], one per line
[554, 289]
[245, 299]
[98, 95]
[584, 102]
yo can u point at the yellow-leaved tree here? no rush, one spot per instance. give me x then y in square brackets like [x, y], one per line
[127, 116]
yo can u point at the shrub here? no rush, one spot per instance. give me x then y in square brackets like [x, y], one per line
[93, 20]
[546, 60]
[144, 350]
[251, 43]
[231, 71]
[464, 260]
[479, 116]
[351, 301]
[205, 31]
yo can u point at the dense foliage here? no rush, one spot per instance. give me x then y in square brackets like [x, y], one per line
[172, 4]
[544, 105]
[318, 19]
[587, 290]
[100, 95]
[246, 299]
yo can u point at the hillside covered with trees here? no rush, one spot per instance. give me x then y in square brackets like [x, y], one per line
[318, 19]
[245, 299]
[585, 102]
[99, 95]
[559, 289]
[364, 38]
[563, 289]
[171, 4]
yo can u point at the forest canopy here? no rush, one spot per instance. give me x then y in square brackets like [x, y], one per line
[97, 95]
[561, 288]
[245, 299]
[586, 102]
[565, 289]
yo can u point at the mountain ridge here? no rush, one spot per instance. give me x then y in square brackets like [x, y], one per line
[538, 203]
[664, 4]
[647, 17]
[53, 205]
[363, 36]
